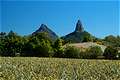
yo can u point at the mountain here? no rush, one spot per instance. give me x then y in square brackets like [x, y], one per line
[43, 28]
[79, 28]
[79, 35]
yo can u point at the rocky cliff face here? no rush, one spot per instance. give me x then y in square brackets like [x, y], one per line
[44, 28]
[79, 27]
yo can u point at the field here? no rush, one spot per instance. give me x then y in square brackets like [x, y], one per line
[33, 68]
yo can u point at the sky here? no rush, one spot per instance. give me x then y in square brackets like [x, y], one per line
[100, 18]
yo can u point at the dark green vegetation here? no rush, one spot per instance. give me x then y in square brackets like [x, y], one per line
[40, 45]
[93, 52]
[79, 35]
[112, 41]
[111, 53]
[76, 37]
[33, 68]
[45, 43]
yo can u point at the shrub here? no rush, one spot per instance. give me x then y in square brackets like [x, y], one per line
[1, 50]
[72, 52]
[111, 53]
[58, 48]
[92, 52]
[44, 49]
[119, 55]
[87, 38]
[38, 48]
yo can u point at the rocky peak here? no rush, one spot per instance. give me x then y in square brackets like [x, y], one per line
[44, 28]
[79, 27]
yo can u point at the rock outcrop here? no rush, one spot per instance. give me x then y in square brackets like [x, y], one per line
[79, 27]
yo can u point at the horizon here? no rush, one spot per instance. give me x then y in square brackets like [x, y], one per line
[25, 17]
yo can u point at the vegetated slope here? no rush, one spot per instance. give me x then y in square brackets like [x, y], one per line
[78, 35]
[19, 68]
[87, 45]
[43, 28]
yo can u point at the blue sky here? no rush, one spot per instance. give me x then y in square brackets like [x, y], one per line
[100, 18]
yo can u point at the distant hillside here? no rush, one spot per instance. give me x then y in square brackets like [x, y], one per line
[78, 35]
[43, 28]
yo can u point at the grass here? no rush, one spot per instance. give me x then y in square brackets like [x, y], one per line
[33, 68]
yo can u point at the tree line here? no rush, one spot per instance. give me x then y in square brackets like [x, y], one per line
[40, 45]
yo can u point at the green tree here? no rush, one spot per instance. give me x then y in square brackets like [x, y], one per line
[110, 38]
[1, 49]
[112, 41]
[94, 52]
[12, 44]
[2, 42]
[111, 53]
[91, 53]
[44, 49]
[58, 48]
[42, 35]
[28, 49]
[87, 38]
[72, 52]
[38, 45]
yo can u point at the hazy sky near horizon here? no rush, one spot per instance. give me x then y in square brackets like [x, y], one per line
[100, 18]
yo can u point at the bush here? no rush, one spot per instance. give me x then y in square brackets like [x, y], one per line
[111, 53]
[58, 48]
[72, 52]
[87, 38]
[44, 49]
[38, 48]
[92, 52]
[119, 55]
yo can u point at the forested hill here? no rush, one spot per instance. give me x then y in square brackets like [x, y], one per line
[79, 35]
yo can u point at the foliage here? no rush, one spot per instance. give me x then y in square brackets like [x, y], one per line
[92, 53]
[41, 45]
[118, 56]
[19, 68]
[112, 41]
[58, 48]
[110, 38]
[111, 53]
[44, 49]
[1, 49]
[76, 37]
[11, 44]
[87, 38]
[38, 45]
[72, 52]
[95, 51]
[2, 42]
[41, 35]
